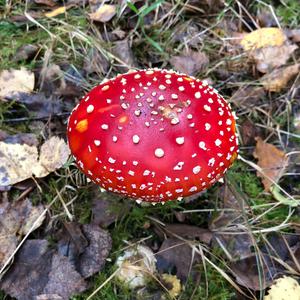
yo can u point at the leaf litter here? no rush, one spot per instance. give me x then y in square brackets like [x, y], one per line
[265, 57]
[40, 270]
[21, 161]
[16, 220]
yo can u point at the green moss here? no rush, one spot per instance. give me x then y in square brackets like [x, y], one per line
[247, 180]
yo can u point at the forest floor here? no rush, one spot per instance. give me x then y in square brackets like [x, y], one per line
[61, 236]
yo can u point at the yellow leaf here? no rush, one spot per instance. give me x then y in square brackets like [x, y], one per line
[16, 81]
[56, 12]
[103, 13]
[263, 37]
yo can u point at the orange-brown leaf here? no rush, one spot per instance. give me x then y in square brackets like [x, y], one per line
[272, 162]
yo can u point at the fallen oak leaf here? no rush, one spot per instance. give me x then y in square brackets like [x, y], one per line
[14, 81]
[107, 208]
[279, 78]
[271, 160]
[93, 259]
[104, 13]
[24, 17]
[225, 223]
[39, 105]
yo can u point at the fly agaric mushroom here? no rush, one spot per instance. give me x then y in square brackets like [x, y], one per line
[153, 135]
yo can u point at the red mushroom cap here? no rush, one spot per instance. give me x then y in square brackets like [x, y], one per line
[153, 134]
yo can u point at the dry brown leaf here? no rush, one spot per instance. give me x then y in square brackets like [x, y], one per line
[294, 35]
[271, 160]
[279, 78]
[16, 162]
[176, 254]
[93, 259]
[16, 220]
[14, 81]
[39, 271]
[254, 277]
[107, 208]
[189, 231]
[263, 37]
[237, 246]
[248, 132]
[20, 161]
[87, 247]
[54, 153]
[56, 12]
[269, 58]
[39, 105]
[123, 51]
[248, 96]
[190, 62]
[25, 52]
[95, 62]
[104, 13]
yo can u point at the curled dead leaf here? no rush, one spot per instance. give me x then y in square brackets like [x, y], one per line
[279, 78]
[271, 160]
